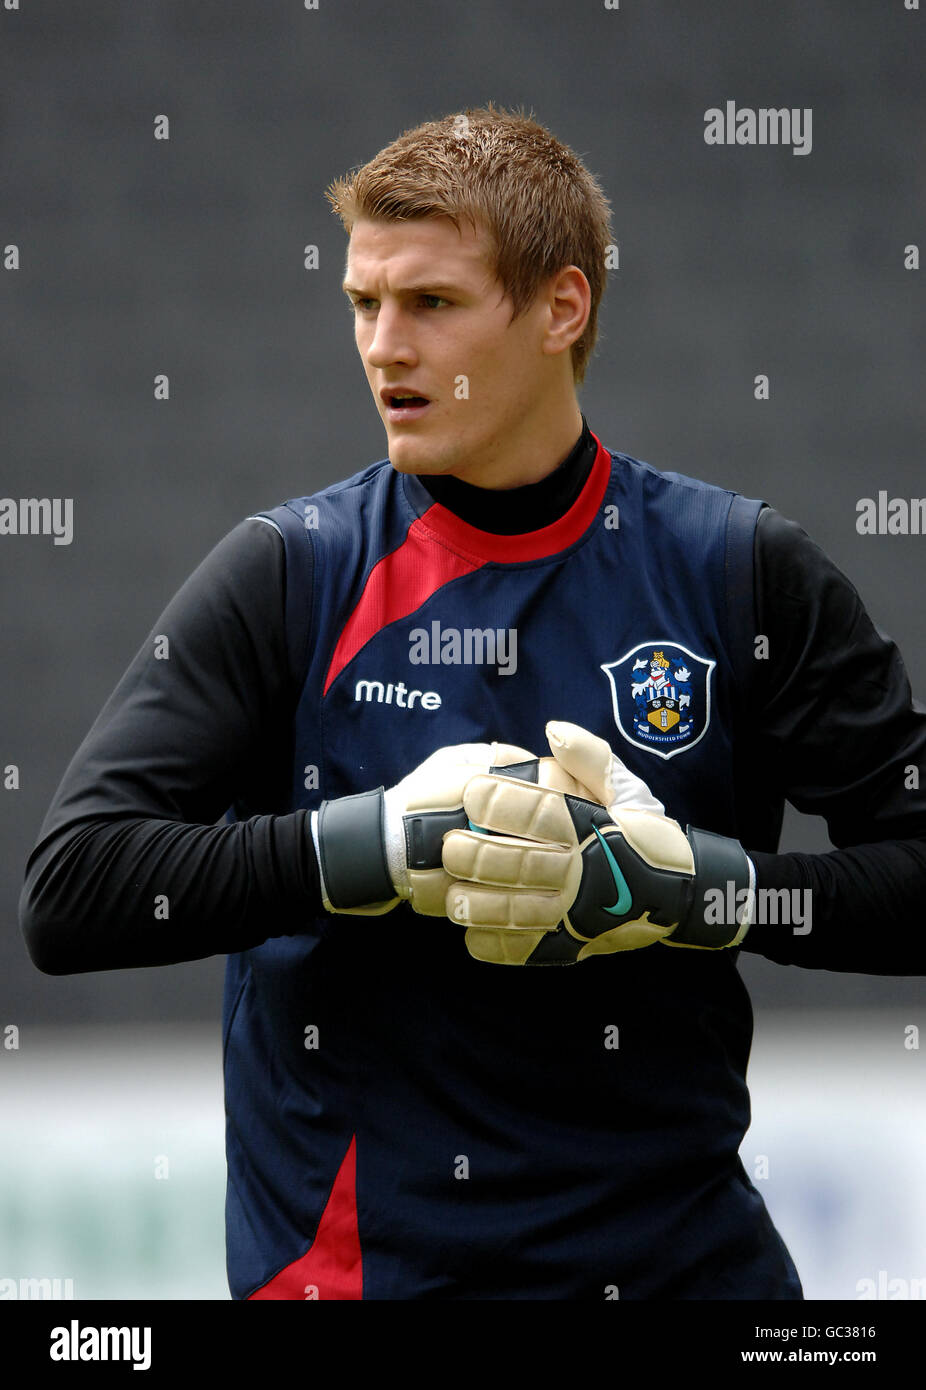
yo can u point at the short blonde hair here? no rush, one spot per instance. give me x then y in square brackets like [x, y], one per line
[540, 207]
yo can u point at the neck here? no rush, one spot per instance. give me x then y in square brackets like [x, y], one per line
[524, 460]
[512, 511]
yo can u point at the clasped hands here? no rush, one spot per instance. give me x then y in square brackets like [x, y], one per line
[545, 861]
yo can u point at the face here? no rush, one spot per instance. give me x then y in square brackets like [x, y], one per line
[433, 322]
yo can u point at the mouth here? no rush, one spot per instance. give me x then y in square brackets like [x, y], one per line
[402, 406]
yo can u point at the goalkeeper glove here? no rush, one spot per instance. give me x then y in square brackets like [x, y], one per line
[561, 877]
[379, 847]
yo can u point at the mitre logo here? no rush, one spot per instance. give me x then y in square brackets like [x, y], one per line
[661, 695]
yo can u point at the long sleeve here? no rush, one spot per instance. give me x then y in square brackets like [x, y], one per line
[837, 727]
[130, 868]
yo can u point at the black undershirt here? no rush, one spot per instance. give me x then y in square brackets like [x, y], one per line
[179, 741]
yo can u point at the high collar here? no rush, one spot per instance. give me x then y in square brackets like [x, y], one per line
[512, 511]
[544, 517]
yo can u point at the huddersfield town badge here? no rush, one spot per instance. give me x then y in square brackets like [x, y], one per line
[661, 694]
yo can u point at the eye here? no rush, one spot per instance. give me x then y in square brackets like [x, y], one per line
[436, 300]
[359, 304]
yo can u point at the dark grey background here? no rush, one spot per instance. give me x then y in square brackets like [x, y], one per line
[186, 257]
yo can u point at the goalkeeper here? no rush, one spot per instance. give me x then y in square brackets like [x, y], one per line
[461, 1060]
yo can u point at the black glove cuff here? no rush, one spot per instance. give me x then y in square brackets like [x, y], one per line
[721, 868]
[352, 849]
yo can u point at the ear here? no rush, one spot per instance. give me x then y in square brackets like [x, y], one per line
[569, 299]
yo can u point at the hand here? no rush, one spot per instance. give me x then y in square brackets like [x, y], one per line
[560, 877]
[379, 847]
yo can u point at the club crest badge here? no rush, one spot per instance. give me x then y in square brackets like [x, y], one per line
[661, 693]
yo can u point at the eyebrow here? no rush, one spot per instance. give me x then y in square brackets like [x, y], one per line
[427, 288]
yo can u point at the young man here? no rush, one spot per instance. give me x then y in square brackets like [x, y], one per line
[409, 1116]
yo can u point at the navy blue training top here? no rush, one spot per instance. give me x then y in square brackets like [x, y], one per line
[405, 1121]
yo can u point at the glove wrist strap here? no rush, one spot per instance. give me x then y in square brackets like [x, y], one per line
[352, 850]
[723, 870]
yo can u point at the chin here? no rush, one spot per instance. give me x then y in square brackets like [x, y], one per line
[413, 460]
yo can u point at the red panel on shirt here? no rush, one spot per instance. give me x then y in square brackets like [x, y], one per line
[440, 547]
[333, 1264]
[397, 585]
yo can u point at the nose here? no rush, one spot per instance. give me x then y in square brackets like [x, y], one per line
[391, 339]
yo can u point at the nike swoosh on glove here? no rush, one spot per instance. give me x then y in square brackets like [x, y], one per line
[559, 878]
